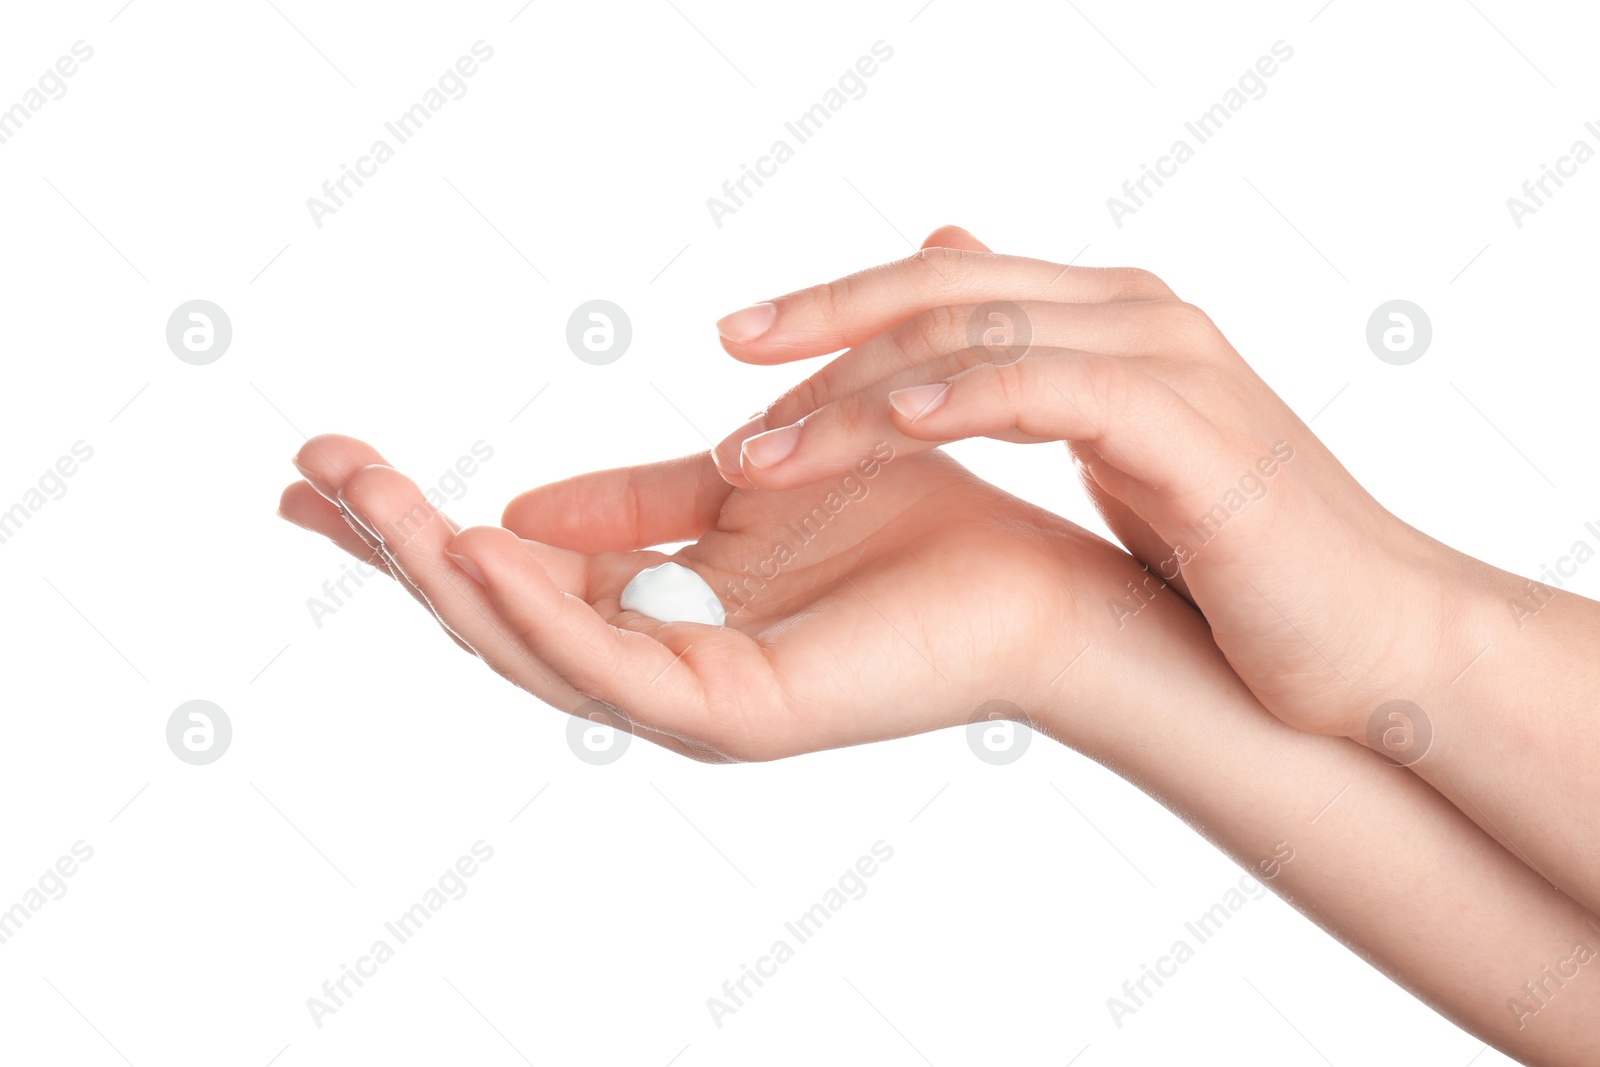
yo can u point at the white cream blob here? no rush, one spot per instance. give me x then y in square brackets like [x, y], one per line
[673, 593]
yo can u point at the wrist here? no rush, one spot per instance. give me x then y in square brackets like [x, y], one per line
[1133, 654]
[1485, 645]
[1520, 646]
[1428, 614]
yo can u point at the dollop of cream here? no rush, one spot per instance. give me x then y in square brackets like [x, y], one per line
[670, 592]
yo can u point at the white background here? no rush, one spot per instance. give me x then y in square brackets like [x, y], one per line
[368, 754]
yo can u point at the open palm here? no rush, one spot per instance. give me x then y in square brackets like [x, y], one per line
[897, 599]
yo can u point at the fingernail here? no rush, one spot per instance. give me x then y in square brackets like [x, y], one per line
[728, 450]
[770, 448]
[350, 512]
[469, 565]
[732, 475]
[746, 325]
[919, 400]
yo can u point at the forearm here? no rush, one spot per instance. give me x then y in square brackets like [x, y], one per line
[1380, 860]
[1515, 738]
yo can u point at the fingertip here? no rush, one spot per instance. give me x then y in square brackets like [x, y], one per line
[473, 551]
[301, 504]
[327, 460]
[770, 351]
[738, 352]
[362, 479]
[479, 543]
[733, 475]
[315, 472]
[763, 451]
[950, 236]
[292, 494]
[727, 456]
[522, 508]
[331, 442]
[624, 508]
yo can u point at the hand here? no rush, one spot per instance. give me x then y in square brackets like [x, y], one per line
[1325, 603]
[894, 599]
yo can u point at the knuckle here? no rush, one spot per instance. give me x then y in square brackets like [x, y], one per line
[1136, 281]
[936, 271]
[833, 299]
[1012, 383]
[927, 334]
[801, 400]
[944, 327]
[1190, 327]
[1188, 315]
[851, 414]
[632, 505]
[1104, 383]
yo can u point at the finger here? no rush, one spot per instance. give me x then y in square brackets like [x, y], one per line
[310, 510]
[1136, 535]
[607, 510]
[652, 671]
[943, 341]
[304, 506]
[1169, 452]
[327, 460]
[845, 312]
[414, 536]
[623, 509]
[839, 436]
[954, 237]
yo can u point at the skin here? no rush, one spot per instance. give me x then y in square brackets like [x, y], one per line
[1327, 605]
[926, 596]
